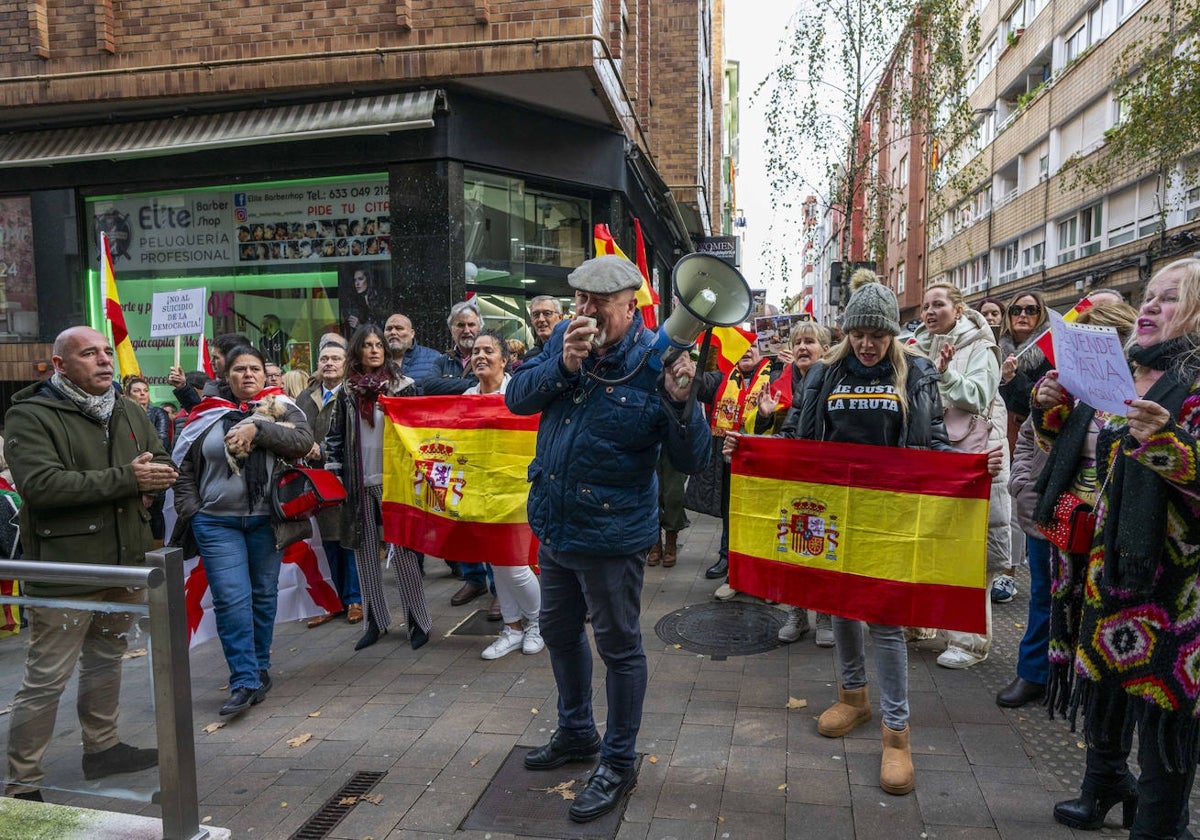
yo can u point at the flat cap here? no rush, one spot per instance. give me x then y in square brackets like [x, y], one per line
[605, 275]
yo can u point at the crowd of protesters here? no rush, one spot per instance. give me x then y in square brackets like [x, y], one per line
[1109, 639]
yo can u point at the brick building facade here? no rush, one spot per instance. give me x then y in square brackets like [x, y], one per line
[278, 154]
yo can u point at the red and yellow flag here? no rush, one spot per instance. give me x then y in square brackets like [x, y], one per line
[456, 478]
[126, 360]
[881, 534]
[730, 344]
[1046, 342]
[647, 297]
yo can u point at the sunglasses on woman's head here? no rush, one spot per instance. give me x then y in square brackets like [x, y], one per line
[1031, 309]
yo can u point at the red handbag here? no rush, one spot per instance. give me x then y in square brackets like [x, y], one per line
[301, 492]
[1074, 524]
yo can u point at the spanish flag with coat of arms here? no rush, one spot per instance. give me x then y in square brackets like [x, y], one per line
[882, 534]
[457, 478]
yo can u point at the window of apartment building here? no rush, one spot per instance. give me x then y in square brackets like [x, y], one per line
[1085, 132]
[902, 172]
[1134, 212]
[978, 271]
[983, 202]
[1191, 204]
[1075, 42]
[1081, 234]
[902, 223]
[1008, 261]
[1033, 252]
[900, 279]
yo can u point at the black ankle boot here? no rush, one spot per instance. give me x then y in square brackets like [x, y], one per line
[416, 636]
[1089, 810]
[370, 636]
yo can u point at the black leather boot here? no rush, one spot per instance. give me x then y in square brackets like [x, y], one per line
[1089, 810]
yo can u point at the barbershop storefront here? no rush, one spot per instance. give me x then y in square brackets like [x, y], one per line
[305, 218]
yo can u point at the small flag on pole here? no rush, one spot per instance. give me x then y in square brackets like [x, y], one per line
[1046, 342]
[126, 360]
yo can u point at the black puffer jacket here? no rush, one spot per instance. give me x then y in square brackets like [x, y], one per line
[923, 427]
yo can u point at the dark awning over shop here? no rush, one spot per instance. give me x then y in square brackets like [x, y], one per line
[181, 135]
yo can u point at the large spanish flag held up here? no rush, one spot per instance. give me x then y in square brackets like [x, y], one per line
[882, 534]
[455, 480]
[126, 359]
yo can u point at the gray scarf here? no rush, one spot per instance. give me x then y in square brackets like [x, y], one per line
[97, 407]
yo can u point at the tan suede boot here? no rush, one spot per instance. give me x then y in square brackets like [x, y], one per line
[852, 708]
[656, 553]
[670, 550]
[896, 767]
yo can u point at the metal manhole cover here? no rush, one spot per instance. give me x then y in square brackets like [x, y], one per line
[732, 628]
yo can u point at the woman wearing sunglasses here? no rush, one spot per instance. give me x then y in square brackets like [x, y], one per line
[1024, 364]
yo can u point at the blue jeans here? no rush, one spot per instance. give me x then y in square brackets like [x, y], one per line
[891, 664]
[1033, 657]
[610, 588]
[477, 574]
[242, 566]
[343, 572]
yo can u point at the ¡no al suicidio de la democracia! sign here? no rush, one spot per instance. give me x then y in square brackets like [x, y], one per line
[343, 220]
[178, 313]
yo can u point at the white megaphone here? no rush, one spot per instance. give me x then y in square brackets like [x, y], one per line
[711, 293]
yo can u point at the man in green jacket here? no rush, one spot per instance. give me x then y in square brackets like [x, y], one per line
[87, 463]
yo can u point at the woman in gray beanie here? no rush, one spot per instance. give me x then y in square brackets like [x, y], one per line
[906, 411]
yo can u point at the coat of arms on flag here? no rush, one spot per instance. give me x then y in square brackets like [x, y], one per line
[804, 530]
[436, 485]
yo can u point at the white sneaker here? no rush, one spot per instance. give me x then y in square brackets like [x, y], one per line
[795, 626]
[725, 592]
[508, 641]
[957, 658]
[532, 640]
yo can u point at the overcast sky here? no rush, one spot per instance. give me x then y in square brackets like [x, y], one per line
[751, 33]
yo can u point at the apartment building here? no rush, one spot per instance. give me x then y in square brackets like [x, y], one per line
[325, 160]
[1042, 96]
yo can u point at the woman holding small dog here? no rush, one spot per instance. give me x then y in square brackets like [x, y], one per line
[227, 455]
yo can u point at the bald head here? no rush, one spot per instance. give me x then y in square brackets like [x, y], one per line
[85, 357]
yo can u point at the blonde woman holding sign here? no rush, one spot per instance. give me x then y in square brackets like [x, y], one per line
[1137, 632]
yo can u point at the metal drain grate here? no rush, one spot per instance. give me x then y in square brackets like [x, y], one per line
[336, 807]
[729, 628]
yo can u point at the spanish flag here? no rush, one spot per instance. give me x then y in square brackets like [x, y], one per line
[455, 482]
[1045, 342]
[647, 297]
[126, 360]
[882, 534]
[730, 344]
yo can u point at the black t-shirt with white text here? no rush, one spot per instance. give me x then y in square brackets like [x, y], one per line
[863, 406]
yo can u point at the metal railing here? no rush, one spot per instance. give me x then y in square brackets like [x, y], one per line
[162, 577]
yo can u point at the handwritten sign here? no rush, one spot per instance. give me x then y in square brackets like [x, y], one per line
[1091, 364]
[177, 313]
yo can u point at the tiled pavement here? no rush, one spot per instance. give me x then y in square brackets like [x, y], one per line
[723, 755]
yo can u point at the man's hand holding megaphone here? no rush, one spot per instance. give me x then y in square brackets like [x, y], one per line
[682, 370]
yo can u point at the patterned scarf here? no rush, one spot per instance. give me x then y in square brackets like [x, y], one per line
[366, 388]
[97, 407]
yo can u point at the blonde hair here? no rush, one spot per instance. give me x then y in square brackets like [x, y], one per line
[809, 328]
[1110, 314]
[294, 382]
[1187, 311]
[953, 292]
[897, 354]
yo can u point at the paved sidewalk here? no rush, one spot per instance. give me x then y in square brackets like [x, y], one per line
[723, 755]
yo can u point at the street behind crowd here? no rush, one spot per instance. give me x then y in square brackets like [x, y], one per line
[729, 747]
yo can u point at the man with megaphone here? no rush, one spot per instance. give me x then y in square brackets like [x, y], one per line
[610, 398]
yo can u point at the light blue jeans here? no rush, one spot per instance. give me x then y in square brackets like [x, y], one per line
[891, 664]
[242, 566]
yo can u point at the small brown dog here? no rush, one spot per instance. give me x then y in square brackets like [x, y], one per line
[269, 410]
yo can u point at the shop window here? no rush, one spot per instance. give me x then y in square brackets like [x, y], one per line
[282, 263]
[18, 283]
[520, 241]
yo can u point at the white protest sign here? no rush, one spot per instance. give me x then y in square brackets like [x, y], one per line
[1091, 364]
[177, 313]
